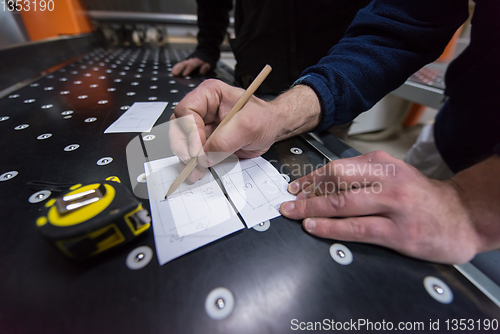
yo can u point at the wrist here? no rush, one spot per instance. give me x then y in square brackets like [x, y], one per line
[478, 189]
[468, 235]
[298, 110]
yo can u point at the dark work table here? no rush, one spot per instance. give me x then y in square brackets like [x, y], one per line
[275, 276]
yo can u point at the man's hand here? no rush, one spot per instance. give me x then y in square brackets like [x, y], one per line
[386, 202]
[186, 67]
[249, 133]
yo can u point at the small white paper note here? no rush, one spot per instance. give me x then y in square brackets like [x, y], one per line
[193, 216]
[255, 187]
[140, 117]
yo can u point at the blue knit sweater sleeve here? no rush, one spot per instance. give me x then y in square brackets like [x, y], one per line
[387, 42]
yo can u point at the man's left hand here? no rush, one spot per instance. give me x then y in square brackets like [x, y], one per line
[378, 199]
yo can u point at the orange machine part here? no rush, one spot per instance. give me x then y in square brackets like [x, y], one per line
[69, 17]
[449, 51]
[416, 111]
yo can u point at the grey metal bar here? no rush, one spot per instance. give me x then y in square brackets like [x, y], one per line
[312, 139]
[131, 17]
[422, 94]
[337, 145]
[481, 281]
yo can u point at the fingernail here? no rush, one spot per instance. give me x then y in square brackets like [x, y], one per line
[288, 206]
[310, 224]
[293, 187]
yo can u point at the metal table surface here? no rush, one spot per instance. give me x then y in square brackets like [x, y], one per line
[275, 276]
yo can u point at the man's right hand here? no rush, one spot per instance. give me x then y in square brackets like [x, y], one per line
[249, 133]
[186, 67]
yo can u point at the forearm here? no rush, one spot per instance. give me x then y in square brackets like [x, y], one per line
[479, 190]
[387, 41]
[213, 19]
[298, 110]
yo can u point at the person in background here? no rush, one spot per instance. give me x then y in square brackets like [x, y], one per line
[446, 221]
[289, 35]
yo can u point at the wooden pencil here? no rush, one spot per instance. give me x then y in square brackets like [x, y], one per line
[239, 104]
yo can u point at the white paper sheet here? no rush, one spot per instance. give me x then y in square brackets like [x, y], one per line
[192, 217]
[255, 187]
[140, 117]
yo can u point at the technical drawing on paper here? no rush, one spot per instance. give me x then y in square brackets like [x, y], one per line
[255, 195]
[193, 216]
[194, 207]
[255, 187]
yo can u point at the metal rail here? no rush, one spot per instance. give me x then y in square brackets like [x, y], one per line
[132, 17]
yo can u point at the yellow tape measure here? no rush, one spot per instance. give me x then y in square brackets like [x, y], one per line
[93, 218]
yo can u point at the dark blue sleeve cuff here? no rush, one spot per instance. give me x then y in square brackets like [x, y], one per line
[325, 100]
